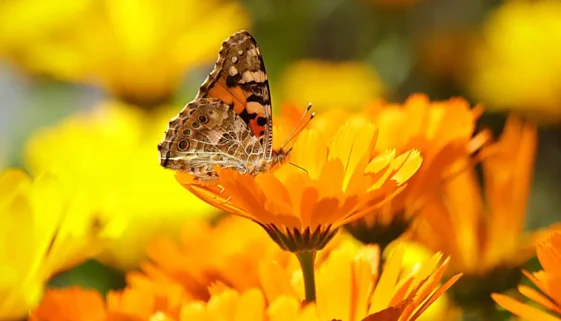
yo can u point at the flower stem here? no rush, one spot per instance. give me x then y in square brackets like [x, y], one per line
[307, 260]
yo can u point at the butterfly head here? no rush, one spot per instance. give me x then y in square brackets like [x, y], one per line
[280, 156]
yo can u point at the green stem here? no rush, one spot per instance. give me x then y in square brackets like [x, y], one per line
[307, 260]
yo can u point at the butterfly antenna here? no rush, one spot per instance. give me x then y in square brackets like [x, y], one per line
[302, 168]
[297, 129]
[302, 128]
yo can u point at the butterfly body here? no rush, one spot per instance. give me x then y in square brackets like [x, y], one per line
[229, 123]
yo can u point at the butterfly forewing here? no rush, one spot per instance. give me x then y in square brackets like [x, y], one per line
[239, 79]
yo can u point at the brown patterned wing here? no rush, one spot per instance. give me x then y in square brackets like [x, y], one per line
[239, 79]
[208, 133]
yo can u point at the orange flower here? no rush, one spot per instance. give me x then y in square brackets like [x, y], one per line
[70, 304]
[161, 302]
[350, 288]
[227, 253]
[483, 233]
[302, 210]
[442, 131]
[548, 281]
[228, 304]
[237, 246]
[348, 283]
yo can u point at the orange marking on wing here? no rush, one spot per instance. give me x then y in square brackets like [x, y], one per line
[255, 128]
[228, 95]
[221, 93]
[238, 97]
[240, 102]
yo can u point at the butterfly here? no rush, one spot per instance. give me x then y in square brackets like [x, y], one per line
[229, 124]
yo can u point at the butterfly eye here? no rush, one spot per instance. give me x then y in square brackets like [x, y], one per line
[195, 124]
[183, 145]
[187, 132]
[203, 119]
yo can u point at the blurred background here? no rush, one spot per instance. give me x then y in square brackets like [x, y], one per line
[87, 86]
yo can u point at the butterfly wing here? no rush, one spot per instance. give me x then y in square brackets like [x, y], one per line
[207, 132]
[239, 80]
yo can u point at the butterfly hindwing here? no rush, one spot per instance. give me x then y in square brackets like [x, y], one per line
[207, 133]
[239, 80]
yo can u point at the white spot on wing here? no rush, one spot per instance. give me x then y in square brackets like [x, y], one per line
[257, 76]
[233, 71]
[254, 107]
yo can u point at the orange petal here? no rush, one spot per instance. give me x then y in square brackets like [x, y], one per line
[436, 295]
[388, 314]
[70, 304]
[522, 310]
[537, 297]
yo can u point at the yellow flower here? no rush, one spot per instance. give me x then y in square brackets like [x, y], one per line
[414, 256]
[443, 133]
[548, 282]
[45, 230]
[27, 23]
[110, 152]
[349, 287]
[326, 85]
[302, 210]
[483, 233]
[517, 65]
[136, 50]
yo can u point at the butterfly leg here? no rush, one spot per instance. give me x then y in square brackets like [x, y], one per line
[226, 201]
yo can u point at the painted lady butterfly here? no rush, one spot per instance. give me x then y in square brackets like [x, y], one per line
[230, 121]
